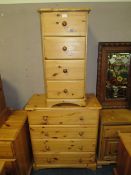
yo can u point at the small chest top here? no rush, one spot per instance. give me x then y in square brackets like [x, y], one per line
[38, 102]
[115, 116]
[126, 140]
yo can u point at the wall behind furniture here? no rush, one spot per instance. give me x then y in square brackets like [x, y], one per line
[20, 44]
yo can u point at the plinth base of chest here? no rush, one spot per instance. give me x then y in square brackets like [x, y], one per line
[53, 102]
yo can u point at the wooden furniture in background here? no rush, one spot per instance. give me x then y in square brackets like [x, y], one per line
[64, 38]
[124, 155]
[65, 135]
[15, 142]
[2, 167]
[112, 121]
[8, 167]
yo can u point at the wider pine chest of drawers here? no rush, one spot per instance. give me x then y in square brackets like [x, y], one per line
[63, 136]
[64, 38]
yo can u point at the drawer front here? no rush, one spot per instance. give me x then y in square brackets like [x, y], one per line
[64, 23]
[112, 131]
[63, 132]
[65, 69]
[64, 145]
[6, 151]
[65, 89]
[109, 149]
[64, 158]
[64, 117]
[64, 47]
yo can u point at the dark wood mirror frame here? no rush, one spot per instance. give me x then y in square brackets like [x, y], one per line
[129, 88]
[107, 53]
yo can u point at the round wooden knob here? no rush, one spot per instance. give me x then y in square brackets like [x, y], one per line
[65, 91]
[64, 48]
[65, 70]
[64, 23]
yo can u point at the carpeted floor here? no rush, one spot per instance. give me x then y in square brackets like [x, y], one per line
[107, 170]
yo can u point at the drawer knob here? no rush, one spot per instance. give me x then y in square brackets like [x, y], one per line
[64, 48]
[65, 91]
[65, 70]
[64, 23]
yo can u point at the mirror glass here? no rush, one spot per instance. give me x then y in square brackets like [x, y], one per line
[117, 74]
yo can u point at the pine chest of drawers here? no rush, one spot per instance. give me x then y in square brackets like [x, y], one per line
[63, 136]
[15, 144]
[64, 38]
[112, 122]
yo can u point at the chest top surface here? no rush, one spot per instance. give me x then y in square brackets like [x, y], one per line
[115, 116]
[64, 9]
[126, 140]
[38, 102]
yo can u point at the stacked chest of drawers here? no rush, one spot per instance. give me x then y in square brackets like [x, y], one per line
[64, 38]
[63, 136]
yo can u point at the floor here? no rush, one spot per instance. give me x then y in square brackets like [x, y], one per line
[105, 170]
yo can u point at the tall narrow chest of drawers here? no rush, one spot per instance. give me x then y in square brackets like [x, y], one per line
[64, 43]
[63, 136]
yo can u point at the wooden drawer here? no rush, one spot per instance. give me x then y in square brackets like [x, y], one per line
[60, 132]
[64, 47]
[109, 149]
[64, 117]
[65, 89]
[64, 23]
[112, 131]
[65, 69]
[6, 150]
[64, 158]
[63, 145]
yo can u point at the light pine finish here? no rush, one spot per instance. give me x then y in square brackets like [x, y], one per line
[65, 158]
[38, 102]
[53, 23]
[64, 135]
[65, 131]
[64, 37]
[52, 102]
[64, 145]
[14, 142]
[67, 117]
[64, 10]
[6, 150]
[65, 89]
[112, 122]
[65, 69]
[64, 48]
